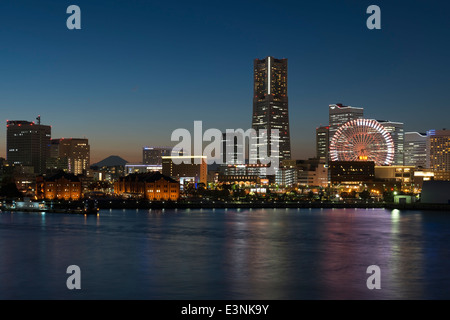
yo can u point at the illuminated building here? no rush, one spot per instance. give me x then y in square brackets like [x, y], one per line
[312, 172]
[351, 171]
[286, 175]
[69, 154]
[152, 186]
[239, 179]
[415, 149]
[398, 137]
[270, 103]
[249, 171]
[61, 186]
[322, 143]
[420, 176]
[27, 143]
[185, 168]
[153, 155]
[340, 114]
[141, 168]
[232, 152]
[402, 174]
[438, 153]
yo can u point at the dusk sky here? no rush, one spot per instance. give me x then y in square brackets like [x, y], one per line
[137, 70]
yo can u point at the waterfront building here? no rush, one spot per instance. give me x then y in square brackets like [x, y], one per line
[152, 186]
[250, 170]
[402, 174]
[27, 143]
[60, 186]
[312, 172]
[286, 176]
[353, 172]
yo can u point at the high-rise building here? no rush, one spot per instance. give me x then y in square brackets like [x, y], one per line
[27, 144]
[415, 149]
[340, 114]
[322, 143]
[71, 155]
[438, 153]
[153, 155]
[398, 137]
[270, 104]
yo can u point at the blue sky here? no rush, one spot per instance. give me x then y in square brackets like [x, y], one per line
[137, 70]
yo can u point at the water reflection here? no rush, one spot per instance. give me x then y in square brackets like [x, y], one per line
[226, 254]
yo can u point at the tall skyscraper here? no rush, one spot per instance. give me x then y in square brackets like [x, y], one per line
[28, 144]
[438, 153]
[398, 137]
[340, 114]
[270, 103]
[153, 155]
[70, 154]
[322, 143]
[415, 149]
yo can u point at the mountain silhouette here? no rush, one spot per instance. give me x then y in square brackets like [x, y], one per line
[110, 161]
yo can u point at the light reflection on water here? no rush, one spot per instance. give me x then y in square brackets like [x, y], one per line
[226, 254]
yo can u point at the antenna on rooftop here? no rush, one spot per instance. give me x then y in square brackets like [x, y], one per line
[38, 119]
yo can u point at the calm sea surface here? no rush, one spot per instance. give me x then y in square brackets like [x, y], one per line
[226, 254]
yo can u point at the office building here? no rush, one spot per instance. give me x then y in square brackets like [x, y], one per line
[322, 143]
[402, 174]
[415, 152]
[153, 155]
[438, 153]
[141, 168]
[71, 155]
[312, 173]
[398, 137]
[233, 150]
[270, 105]
[286, 176]
[351, 171]
[186, 169]
[27, 143]
[340, 114]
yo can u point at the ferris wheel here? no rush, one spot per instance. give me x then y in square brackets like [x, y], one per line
[362, 140]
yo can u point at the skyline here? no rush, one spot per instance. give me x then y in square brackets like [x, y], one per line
[135, 73]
